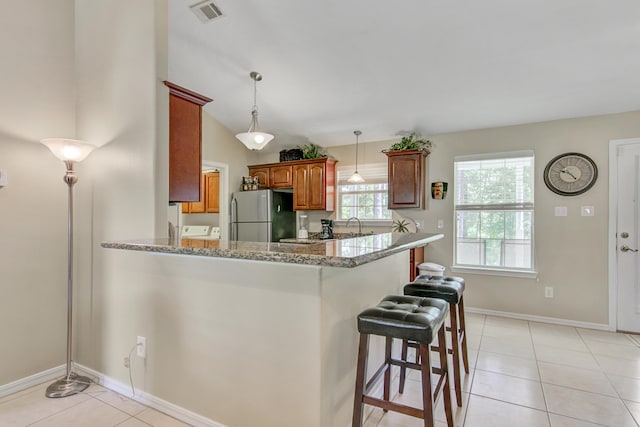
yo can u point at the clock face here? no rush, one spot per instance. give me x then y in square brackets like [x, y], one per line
[570, 174]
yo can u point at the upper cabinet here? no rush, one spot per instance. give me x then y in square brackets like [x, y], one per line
[313, 181]
[210, 197]
[407, 170]
[185, 143]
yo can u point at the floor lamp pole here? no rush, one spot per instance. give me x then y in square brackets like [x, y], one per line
[72, 383]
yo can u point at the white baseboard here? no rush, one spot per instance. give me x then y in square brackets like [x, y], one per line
[142, 397]
[32, 380]
[149, 400]
[542, 319]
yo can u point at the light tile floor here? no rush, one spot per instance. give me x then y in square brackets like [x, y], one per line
[95, 407]
[529, 374]
[523, 374]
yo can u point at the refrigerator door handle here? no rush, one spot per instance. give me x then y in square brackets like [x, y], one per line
[234, 218]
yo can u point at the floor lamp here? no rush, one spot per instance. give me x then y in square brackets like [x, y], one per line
[70, 152]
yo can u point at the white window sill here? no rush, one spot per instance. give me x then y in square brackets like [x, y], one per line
[494, 272]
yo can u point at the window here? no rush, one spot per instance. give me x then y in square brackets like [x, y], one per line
[367, 201]
[494, 211]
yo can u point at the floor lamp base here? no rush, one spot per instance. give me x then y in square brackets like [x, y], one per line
[68, 386]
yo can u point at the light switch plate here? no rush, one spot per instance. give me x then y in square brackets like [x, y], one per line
[561, 211]
[587, 211]
[3, 178]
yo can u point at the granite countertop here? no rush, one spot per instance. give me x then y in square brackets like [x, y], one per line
[335, 253]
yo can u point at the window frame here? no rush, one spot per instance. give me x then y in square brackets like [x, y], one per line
[374, 173]
[501, 207]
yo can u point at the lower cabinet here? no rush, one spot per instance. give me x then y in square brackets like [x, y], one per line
[209, 196]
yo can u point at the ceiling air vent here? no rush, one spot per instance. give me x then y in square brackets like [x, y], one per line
[206, 11]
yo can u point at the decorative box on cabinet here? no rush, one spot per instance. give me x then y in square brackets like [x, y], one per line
[406, 178]
[185, 143]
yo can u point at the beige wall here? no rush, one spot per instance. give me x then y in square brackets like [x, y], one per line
[571, 252]
[220, 145]
[36, 41]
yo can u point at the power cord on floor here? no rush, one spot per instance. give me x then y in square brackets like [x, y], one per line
[128, 365]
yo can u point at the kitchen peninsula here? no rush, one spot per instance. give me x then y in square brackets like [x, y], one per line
[264, 334]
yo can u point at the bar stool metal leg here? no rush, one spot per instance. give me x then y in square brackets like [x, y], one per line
[463, 333]
[455, 352]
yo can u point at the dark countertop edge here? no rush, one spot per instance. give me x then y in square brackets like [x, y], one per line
[268, 256]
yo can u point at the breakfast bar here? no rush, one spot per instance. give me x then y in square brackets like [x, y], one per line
[261, 333]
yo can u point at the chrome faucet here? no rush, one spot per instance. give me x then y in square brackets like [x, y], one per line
[359, 224]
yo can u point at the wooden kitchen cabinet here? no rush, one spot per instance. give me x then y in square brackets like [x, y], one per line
[407, 170]
[185, 143]
[281, 176]
[314, 185]
[212, 192]
[312, 181]
[262, 172]
[209, 198]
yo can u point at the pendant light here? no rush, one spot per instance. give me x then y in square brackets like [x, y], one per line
[253, 138]
[356, 178]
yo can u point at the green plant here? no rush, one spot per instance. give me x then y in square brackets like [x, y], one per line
[311, 151]
[412, 142]
[400, 226]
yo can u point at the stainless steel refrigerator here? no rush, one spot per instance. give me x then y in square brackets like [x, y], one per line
[262, 216]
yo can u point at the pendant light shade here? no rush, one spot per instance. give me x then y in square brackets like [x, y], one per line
[356, 178]
[253, 139]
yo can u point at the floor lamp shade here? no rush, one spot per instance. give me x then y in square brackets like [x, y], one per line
[70, 151]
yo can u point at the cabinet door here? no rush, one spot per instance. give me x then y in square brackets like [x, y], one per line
[263, 175]
[199, 206]
[406, 176]
[212, 195]
[300, 187]
[281, 177]
[185, 143]
[316, 187]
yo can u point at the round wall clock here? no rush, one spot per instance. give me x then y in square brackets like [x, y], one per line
[570, 174]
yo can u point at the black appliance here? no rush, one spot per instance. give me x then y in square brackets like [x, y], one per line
[327, 229]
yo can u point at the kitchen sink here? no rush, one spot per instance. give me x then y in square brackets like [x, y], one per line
[315, 239]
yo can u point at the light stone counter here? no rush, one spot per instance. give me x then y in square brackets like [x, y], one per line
[335, 253]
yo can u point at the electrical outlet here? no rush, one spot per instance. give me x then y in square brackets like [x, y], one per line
[3, 178]
[440, 223]
[141, 347]
[548, 292]
[419, 224]
[127, 362]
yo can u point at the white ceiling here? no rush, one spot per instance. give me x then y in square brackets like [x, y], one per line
[390, 67]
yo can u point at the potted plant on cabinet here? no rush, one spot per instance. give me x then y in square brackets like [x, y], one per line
[411, 142]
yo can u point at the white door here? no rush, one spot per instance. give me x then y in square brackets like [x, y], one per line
[627, 237]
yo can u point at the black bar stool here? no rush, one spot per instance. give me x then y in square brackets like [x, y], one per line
[405, 318]
[449, 289]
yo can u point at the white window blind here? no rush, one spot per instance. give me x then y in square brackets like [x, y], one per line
[368, 200]
[494, 211]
